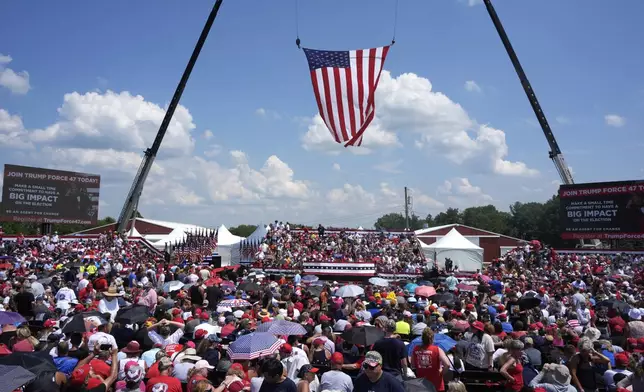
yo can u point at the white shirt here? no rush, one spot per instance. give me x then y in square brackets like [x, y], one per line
[100, 338]
[106, 306]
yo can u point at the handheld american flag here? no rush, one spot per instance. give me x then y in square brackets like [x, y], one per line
[344, 83]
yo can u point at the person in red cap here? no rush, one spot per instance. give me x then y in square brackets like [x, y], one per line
[481, 348]
[621, 364]
[176, 316]
[319, 355]
[132, 354]
[336, 379]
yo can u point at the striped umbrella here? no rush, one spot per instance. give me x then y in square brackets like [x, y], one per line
[282, 327]
[253, 345]
[234, 303]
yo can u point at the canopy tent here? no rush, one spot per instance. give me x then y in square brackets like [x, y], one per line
[226, 242]
[465, 255]
[259, 233]
[254, 239]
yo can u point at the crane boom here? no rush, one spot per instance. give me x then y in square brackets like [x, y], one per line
[555, 152]
[133, 196]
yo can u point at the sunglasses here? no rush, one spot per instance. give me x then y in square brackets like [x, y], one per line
[369, 367]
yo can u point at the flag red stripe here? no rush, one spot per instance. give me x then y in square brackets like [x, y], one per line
[360, 83]
[339, 101]
[352, 115]
[372, 87]
[363, 128]
[329, 106]
[316, 91]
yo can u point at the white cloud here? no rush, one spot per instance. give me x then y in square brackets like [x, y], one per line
[212, 150]
[473, 3]
[614, 120]
[407, 103]
[427, 202]
[391, 167]
[12, 131]
[336, 167]
[121, 121]
[318, 138]
[462, 193]
[267, 113]
[16, 82]
[207, 134]
[472, 87]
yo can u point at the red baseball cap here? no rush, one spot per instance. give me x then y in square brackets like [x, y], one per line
[204, 316]
[200, 333]
[287, 348]
[337, 358]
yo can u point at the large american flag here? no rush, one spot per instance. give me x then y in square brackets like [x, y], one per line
[344, 83]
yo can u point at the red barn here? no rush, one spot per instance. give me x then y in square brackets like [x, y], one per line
[493, 244]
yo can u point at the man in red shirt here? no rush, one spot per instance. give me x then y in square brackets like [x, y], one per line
[164, 382]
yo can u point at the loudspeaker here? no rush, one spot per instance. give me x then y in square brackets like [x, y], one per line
[216, 261]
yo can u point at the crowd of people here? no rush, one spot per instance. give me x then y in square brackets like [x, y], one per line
[106, 314]
[392, 253]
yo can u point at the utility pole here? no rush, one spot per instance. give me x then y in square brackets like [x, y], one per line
[132, 199]
[406, 210]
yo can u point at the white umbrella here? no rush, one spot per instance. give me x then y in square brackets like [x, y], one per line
[172, 286]
[379, 282]
[350, 290]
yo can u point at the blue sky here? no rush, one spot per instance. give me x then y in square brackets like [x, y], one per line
[251, 89]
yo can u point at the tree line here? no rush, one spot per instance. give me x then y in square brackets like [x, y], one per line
[524, 220]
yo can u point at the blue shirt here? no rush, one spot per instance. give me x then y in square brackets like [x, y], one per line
[65, 365]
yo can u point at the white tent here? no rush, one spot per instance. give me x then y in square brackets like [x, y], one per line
[259, 233]
[466, 255]
[226, 242]
[257, 236]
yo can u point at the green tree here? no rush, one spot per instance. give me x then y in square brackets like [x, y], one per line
[243, 230]
[487, 218]
[451, 215]
[396, 221]
[525, 219]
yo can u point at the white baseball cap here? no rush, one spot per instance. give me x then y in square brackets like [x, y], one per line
[203, 364]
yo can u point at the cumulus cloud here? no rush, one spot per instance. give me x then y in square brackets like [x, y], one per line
[12, 131]
[408, 103]
[614, 120]
[472, 87]
[207, 134]
[121, 121]
[318, 138]
[16, 82]
[267, 113]
[336, 167]
[462, 193]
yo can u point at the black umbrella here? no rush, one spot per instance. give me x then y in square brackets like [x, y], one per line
[38, 362]
[315, 290]
[249, 286]
[134, 314]
[419, 385]
[365, 335]
[620, 306]
[447, 298]
[78, 323]
[528, 302]
[14, 377]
